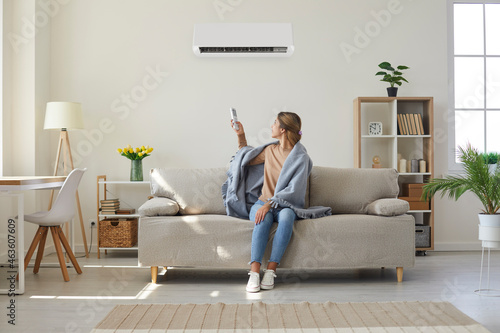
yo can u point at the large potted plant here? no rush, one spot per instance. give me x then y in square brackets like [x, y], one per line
[393, 76]
[482, 182]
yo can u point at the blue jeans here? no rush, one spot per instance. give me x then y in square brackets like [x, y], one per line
[285, 218]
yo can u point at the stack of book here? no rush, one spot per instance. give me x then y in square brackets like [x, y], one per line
[128, 211]
[410, 124]
[110, 206]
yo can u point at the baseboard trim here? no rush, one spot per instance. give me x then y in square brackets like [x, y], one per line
[458, 246]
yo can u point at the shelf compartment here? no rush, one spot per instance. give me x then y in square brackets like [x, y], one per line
[119, 186]
[119, 216]
[123, 182]
[378, 112]
[382, 147]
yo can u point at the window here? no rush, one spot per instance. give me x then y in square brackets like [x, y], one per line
[474, 55]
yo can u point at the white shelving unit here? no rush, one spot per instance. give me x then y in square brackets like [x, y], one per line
[391, 143]
[102, 184]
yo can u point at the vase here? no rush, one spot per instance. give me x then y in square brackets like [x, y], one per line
[136, 171]
[492, 168]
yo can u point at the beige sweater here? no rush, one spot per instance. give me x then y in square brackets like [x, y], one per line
[273, 157]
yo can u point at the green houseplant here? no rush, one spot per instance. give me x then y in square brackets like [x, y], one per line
[393, 76]
[491, 158]
[482, 182]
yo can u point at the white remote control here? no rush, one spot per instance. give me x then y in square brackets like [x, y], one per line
[234, 117]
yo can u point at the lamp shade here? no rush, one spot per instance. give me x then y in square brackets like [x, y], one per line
[60, 115]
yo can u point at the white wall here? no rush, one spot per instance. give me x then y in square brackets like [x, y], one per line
[26, 79]
[103, 54]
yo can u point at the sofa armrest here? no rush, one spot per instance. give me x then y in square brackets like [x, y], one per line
[159, 206]
[388, 207]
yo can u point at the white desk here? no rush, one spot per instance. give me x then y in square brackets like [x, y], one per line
[14, 187]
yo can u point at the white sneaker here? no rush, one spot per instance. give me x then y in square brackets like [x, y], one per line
[253, 284]
[268, 279]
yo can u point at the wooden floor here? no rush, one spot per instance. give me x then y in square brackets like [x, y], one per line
[52, 305]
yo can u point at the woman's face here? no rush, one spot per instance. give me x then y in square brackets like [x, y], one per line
[276, 130]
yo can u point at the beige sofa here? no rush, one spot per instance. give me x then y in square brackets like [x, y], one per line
[185, 223]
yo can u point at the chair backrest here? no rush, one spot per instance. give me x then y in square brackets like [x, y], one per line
[63, 208]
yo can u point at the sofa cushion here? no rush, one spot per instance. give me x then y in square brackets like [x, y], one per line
[338, 241]
[159, 206]
[196, 191]
[350, 190]
[388, 207]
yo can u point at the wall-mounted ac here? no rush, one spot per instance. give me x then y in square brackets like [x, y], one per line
[243, 40]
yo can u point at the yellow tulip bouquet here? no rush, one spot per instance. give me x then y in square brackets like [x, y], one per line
[135, 154]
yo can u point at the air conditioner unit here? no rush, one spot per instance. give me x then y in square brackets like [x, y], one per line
[243, 40]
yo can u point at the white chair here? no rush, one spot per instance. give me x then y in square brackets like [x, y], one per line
[62, 211]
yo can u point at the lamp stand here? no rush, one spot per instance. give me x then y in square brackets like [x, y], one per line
[68, 160]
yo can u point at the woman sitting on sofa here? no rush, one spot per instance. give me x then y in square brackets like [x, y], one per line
[286, 169]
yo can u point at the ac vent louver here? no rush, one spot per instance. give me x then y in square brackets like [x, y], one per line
[243, 40]
[261, 49]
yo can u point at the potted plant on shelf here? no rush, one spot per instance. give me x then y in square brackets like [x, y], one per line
[491, 159]
[395, 77]
[481, 181]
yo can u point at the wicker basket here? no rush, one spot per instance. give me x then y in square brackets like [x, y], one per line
[118, 233]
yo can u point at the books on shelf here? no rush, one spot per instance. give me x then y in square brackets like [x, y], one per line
[410, 124]
[110, 203]
[110, 206]
[421, 123]
[400, 125]
[129, 211]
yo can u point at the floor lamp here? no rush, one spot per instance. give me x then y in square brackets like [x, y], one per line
[64, 116]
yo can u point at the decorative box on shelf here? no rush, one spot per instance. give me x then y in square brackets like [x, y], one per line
[422, 236]
[412, 190]
[413, 193]
[118, 232]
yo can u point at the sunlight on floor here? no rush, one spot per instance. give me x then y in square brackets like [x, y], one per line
[254, 296]
[84, 297]
[108, 266]
[147, 291]
[143, 294]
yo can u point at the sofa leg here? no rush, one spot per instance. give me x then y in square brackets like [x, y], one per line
[399, 273]
[154, 274]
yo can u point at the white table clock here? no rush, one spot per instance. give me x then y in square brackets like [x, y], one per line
[375, 128]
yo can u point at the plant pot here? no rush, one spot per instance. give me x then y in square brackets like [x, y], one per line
[392, 91]
[492, 168]
[489, 230]
[136, 171]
